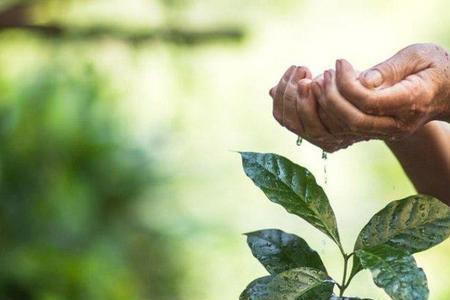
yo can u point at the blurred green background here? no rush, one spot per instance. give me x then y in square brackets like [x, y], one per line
[118, 126]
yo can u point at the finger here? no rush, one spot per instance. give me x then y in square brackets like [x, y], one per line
[272, 92]
[408, 95]
[307, 72]
[308, 112]
[379, 101]
[278, 99]
[331, 123]
[291, 118]
[356, 121]
[404, 63]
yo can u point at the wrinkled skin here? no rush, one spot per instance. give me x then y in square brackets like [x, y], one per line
[296, 107]
[390, 101]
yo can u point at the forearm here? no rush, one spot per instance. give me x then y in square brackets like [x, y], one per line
[425, 157]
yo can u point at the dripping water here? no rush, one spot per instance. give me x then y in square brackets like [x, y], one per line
[325, 158]
[299, 141]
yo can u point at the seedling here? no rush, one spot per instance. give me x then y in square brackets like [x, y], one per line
[385, 245]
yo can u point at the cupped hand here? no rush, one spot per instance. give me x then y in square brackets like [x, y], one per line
[395, 98]
[295, 107]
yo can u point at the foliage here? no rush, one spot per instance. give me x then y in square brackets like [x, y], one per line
[69, 182]
[384, 246]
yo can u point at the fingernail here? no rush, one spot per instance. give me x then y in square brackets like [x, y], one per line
[338, 64]
[373, 78]
[298, 75]
[288, 73]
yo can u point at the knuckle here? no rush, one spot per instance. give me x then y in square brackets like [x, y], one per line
[391, 68]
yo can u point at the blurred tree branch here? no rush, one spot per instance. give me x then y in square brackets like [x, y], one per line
[18, 16]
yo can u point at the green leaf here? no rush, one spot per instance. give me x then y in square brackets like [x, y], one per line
[294, 284]
[279, 251]
[257, 289]
[413, 224]
[293, 187]
[395, 272]
[334, 297]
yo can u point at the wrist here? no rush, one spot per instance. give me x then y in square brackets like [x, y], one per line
[421, 135]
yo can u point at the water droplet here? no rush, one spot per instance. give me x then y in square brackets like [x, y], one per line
[299, 141]
[365, 239]
[325, 158]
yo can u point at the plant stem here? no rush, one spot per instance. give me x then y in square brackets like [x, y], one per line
[349, 280]
[344, 285]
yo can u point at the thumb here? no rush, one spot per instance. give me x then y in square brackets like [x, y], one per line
[391, 71]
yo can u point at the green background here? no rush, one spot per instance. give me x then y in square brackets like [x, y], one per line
[119, 122]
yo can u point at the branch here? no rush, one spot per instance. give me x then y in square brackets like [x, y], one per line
[18, 17]
[171, 35]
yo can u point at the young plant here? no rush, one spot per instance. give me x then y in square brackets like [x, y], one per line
[385, 245]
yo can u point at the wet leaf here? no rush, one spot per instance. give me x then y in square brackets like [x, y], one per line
[293, 187]
[257, 289]
[411, 225]
[395, 272]
[334, 297]
[279, 251]
[294, 284]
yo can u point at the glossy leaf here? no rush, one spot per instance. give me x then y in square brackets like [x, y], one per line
[334, 297]
[279, 251]
[257, 289]
[293, 187]
[395, 272]
[413, 224]
[294, 284]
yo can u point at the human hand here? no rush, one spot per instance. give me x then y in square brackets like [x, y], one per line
[296, 108]
[395, 98]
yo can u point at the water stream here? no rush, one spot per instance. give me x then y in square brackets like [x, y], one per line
[325, 158]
